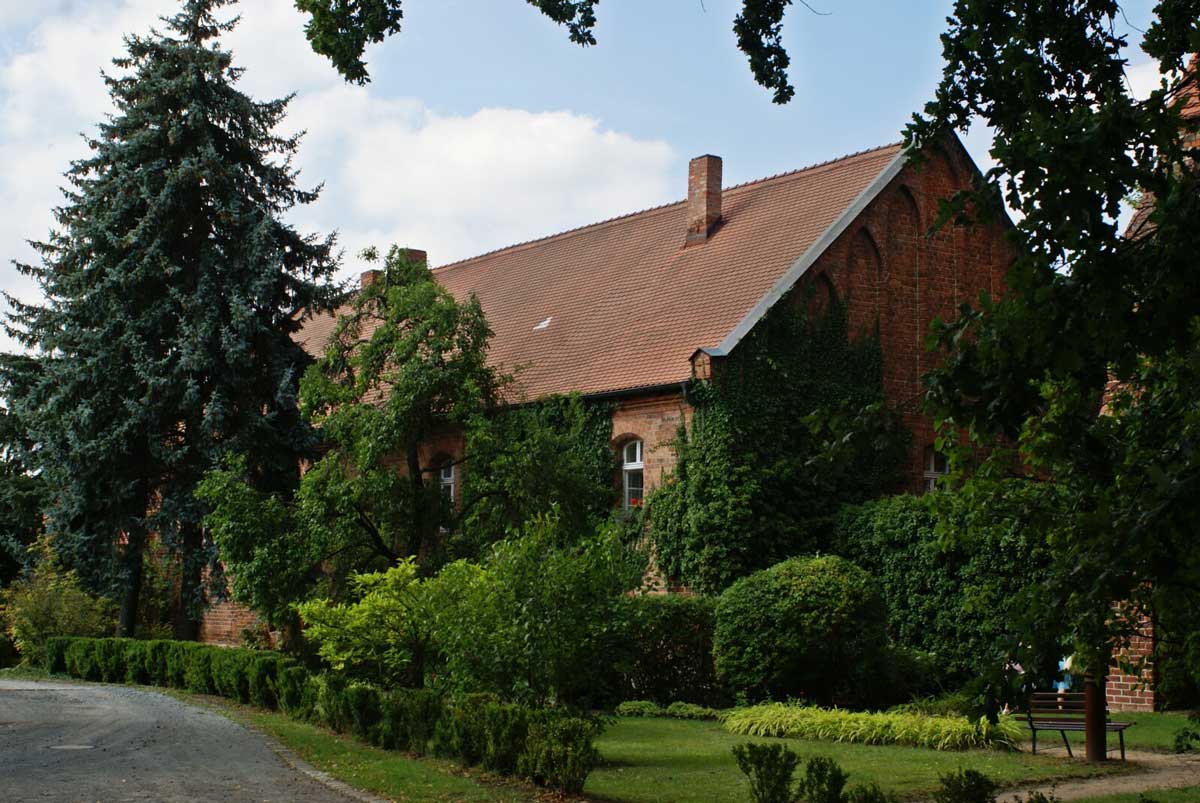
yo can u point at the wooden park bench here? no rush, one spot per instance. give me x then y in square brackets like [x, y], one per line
[1062, 712]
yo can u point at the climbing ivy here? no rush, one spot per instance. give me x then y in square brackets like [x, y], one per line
[793, 426]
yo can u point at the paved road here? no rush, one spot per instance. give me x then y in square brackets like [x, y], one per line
[67, 742]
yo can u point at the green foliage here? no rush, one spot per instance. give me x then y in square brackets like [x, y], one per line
[461, 732]
[559, 753]
[409, 719]
[668, 649]
[50, 602]
[1086, 370]
[341, 32]
[1187, 739]
[966, 786]
[915, 730]
[172, 287]
[524, 461]
[680, 710]
[770, 769]
[22, 496]
[957, 590]
[506, 732]
[796, 428]
[811, 627]
[539, 622]
[384, 633]
[823, 782]
[295, 693]
[639, 708]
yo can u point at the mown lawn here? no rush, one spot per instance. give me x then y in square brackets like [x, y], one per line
[678, 761]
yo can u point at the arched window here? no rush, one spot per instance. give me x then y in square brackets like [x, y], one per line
[936, 467]
[631, 474]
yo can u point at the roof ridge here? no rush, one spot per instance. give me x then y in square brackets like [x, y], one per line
[653, 209]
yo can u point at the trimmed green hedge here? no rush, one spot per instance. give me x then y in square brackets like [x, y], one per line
[549, 747]
[836, 725]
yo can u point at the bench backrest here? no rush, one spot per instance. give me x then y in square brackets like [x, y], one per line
[1055, 705]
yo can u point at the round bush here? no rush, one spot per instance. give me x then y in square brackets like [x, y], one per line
[807, 627]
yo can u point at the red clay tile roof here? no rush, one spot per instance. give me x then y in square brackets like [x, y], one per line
[626, 304]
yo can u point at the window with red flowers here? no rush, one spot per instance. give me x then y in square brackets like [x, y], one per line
[631, 474]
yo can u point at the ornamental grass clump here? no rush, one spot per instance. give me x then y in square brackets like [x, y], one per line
[835, 725]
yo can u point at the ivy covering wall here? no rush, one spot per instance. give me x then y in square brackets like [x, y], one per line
[792, 427]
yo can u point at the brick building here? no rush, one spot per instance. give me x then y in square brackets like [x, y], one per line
[630, 309]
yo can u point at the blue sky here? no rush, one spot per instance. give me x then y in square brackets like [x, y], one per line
[484, 126]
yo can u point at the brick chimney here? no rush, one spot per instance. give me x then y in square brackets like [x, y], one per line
[368, 278]
[414, 255]
[704, 198]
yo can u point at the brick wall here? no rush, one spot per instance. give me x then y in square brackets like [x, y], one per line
[891, 274]
[655, 421]
[1130, 692]
[224, 622]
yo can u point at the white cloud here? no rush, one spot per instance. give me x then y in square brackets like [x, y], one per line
[395, 169]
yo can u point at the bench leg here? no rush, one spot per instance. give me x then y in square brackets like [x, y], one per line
[1066, 743]
[1121, 736]
[1035, 742]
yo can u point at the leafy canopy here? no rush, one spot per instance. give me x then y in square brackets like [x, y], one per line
[342, 29]
[1085, 372]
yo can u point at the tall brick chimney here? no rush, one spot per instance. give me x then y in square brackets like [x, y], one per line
[368, 278]
[704, 198]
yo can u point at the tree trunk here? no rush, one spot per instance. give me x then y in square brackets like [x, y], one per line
[1095, 715]
[187, 608]
[131, 596]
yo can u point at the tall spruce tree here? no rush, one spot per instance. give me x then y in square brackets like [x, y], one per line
[172, 287]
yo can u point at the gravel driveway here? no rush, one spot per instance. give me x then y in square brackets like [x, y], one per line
[61, 741]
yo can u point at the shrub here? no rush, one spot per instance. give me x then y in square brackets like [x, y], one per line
[914, 730]
[230, 675]
[807, 627]
[966, 786]
[461, 733]
[80, 659]
[506, 729]
[51, 602]
[110, 659]
[362, 706]
[691, 711]
[955, 600]
[560, 753]
[332, 709]
[408, 719]
[54, 654]
[952, 704]
[669, 652]
[295, 693]
[197, 670]
[770, 768]
[263, 671]
[639, 708]
[823, 782]
[176, 663]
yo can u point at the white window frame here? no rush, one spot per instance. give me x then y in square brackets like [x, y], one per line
[932, 473]
[446, 477]
[628, 467]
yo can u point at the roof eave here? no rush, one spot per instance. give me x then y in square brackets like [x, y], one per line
[800, 267]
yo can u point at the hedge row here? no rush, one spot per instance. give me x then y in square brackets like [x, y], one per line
[648, 708]
[249, 676]
[836, 725]
[550, 748]
[670, 651]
